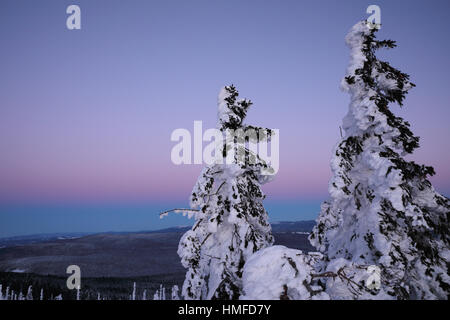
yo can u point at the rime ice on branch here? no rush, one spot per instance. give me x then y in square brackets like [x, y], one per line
[383, 210]
[230, 220]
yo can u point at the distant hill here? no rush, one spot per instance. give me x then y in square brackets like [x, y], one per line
[283, 226]
[295, 226]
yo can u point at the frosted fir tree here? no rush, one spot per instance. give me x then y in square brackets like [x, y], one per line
[162, 292]
[230, 220]
[29, 295]
[383, 209]
[174, 295]
[133, 295]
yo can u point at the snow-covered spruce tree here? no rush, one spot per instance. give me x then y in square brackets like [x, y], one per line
[133, 294]
[157, 295]
[174, 295]
[29, 295]
[383, 210]
[230, 220]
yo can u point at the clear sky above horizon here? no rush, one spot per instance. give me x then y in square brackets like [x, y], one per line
[86, 115]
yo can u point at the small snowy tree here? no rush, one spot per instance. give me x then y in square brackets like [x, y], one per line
[156, 296]
[174, 295]
[29, 293]
[162, 292]
[133, 295]
[230, 220]
[383, 209]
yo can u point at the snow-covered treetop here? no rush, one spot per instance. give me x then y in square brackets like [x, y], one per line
[373, 84]
[231, 111]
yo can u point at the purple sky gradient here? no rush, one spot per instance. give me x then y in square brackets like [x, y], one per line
[86, 116]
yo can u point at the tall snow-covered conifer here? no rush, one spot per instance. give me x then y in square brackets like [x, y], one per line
[231, 222]
[383, 209]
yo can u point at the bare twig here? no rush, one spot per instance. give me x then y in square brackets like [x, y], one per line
[339, 274]
[197, 224]
[204, 240]
[218, 189]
